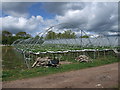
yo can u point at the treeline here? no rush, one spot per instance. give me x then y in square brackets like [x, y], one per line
[8, 38]
[66, 34]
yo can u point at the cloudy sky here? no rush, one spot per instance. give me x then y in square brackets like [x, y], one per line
[35, 17]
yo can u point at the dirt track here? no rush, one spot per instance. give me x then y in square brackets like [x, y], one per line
[96, 77]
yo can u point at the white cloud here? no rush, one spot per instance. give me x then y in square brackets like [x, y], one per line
[16, 24]
[95, 17]
[112, 33]
[92, 17]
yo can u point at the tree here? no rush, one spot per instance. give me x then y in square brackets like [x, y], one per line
[59, 35]
[51, 35]
[68, 34]
[39, 39]
[23, 34]
[8, 39]
[6, 33]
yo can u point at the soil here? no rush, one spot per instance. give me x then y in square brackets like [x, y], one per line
[65, 62]
[96, 77]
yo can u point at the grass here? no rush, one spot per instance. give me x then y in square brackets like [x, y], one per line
[15, 74]
[11, 59]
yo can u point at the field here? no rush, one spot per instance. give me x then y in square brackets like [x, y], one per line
[14, 68]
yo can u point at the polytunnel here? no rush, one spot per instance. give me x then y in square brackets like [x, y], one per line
[39, 46]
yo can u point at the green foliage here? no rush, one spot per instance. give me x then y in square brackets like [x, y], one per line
[8, 39]
[85, 36]
[51, 35]
[23, 34]
[6, 33]
[59, 35]
[12, 59]
[37, 37]
[69, 34]
[65, 34]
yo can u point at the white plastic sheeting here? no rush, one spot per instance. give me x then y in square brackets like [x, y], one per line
[101, 41]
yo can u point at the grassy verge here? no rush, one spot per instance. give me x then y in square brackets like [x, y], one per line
[15, 74]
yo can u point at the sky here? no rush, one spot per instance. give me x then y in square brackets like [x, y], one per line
[36, 17]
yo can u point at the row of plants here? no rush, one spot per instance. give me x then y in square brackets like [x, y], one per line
[60, 47]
